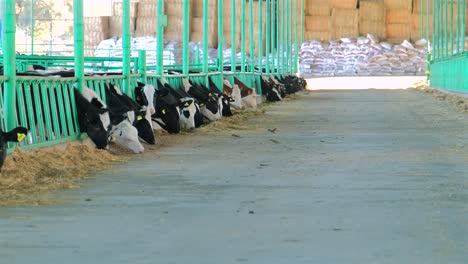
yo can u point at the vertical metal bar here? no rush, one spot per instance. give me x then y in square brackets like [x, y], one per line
[296, 32]
[33, 22]
[451, 27]
[186, 19]
[267, 36]
[463, 24]
[243, 36]
[9, 62]
[233, 35]
[161, 22]
[434, 30]
[126, 46]
[278, 36]
[445, 10]
[458, 26]
[251, 37]
[78, 29]
[291, 36]
[273, 36]
[142, 65]
[205, 36]
[283, 34]
[220, 36]
[260, 36]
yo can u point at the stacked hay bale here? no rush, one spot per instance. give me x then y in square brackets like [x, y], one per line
[196, 25]
[398, 20]
[228, 20]
[256, 28]
[146, 21]
[115, 21]
[372, 18]
[174, 10]
[96, 30]
[344, 19]
[317, 19]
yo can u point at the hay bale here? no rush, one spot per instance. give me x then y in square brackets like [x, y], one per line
[372, 10]
[344, 4]
[344, 23]
[399, 4]
[317, 23]
[318, 35]
[317, 8]
[398, 16]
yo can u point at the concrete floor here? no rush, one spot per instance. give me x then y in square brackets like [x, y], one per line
[369, 176]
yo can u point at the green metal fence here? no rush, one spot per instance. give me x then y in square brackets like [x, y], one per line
[447, 57]
[46, 105]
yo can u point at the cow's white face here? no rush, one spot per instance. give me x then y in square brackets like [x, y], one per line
[149, 94]
[186, 84]
[210, 115]
[237, 97]
[220, 104]
[187, 113]
[126, 136]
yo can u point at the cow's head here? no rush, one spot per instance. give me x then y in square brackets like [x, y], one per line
[93, 117]
[126, 136]
[209, 106]
[167, 113]
[18, 134]
[187, 112]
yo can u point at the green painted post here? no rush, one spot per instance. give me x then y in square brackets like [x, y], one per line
[78, 29]
[186, 19]
[273, 36]
[205, 36]
[445, 10]
[463, 28]
[33, 21]
[260, 36]
[142, 65]
[267, 36]
[283, 34]
[243, 36]
[205, 41]
[252, 43]
[161, 23]
[296, 38]
[434, 29]
[278, 36]
[126, 47]
[451, 27]
[290, 41]
[458, 26]
[233, 35]
[9, 62]
[220, 37]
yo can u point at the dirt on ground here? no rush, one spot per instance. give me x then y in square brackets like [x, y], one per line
[29, 177]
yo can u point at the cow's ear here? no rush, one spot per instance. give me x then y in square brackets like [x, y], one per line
[16, 135]
[202, 104]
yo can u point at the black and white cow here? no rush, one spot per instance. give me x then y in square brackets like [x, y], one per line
[18, 134]
[116, 125]
[189, 110]
[224, 100]
[209, 102]
[271, 90]
[93, 117]
[135, 113]
[167, 112]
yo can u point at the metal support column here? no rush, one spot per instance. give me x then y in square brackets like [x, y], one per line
[220, 36]
[243, 36]
[9, 63]
[186, 19]
[126, 47]
[267, 36]
[78, 29]
[161, 23]
[233, 35]
[260, 36]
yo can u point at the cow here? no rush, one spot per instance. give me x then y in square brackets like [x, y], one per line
[110, 122]
[223, 99]
[18, 134]
[234, 92]
[190, 115]
[167, 112]
[271, 89]
[136, 113]
[144, 95]
[93, 117]
[248, 95]
[209, 104]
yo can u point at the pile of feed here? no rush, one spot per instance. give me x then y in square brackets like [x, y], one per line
[363, 56]
[27, 176]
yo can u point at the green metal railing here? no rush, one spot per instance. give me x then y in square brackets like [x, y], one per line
[46, 105]
[447, 58]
